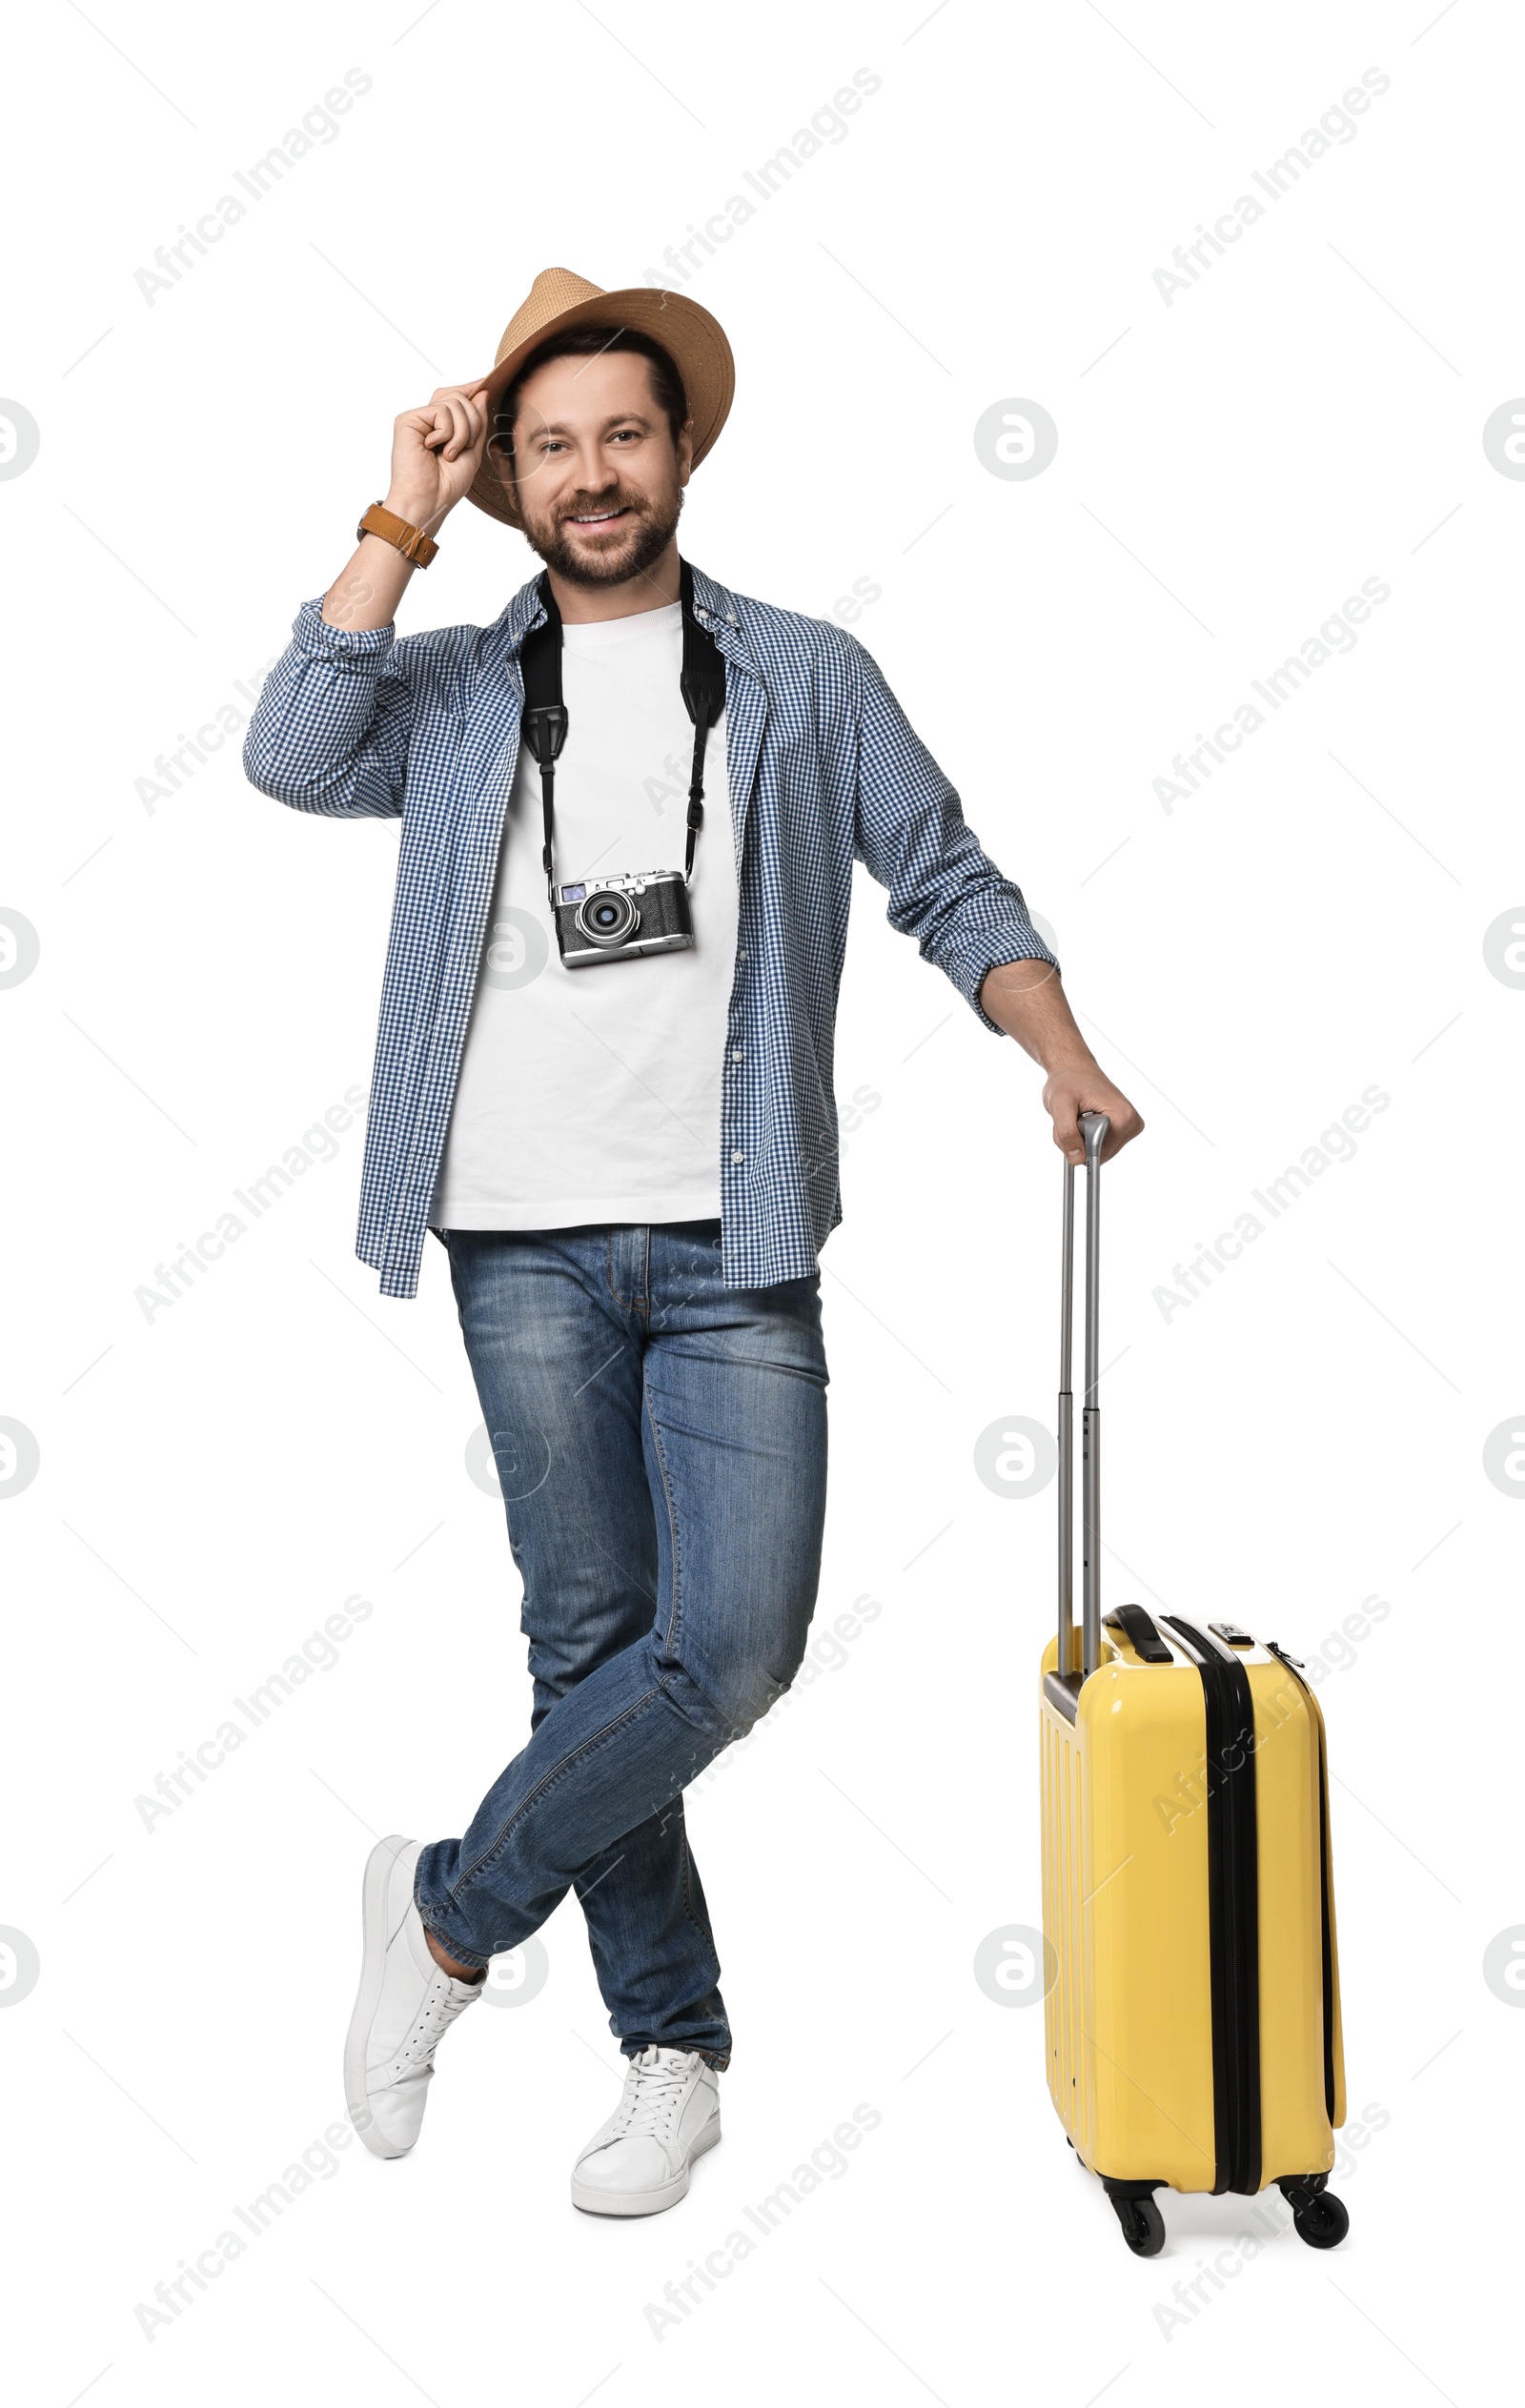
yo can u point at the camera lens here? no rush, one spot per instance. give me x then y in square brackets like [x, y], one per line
[608, 918]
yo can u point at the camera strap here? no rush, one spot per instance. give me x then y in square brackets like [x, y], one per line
[544, 724]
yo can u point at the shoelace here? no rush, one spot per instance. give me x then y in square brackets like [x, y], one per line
[435, 2016]
[654, 2091]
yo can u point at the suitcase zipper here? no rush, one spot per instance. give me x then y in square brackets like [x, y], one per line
[1233, 1909]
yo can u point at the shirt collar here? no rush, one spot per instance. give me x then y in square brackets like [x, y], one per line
[715, 607]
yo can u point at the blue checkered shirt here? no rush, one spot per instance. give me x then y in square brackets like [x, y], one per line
[823, 769]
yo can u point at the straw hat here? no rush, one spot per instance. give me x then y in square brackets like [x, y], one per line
[559, 299]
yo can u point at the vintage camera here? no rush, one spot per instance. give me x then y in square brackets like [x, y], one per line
[617, 919]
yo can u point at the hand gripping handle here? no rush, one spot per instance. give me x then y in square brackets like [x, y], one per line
[1093, 1128]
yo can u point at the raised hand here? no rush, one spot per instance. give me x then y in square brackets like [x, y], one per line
[435, 453]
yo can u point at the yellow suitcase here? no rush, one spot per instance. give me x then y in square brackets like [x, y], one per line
[1191, 2006]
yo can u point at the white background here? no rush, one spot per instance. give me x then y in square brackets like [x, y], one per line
[1307, 1434]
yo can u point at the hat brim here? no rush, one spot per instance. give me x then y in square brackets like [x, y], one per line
[696, 342]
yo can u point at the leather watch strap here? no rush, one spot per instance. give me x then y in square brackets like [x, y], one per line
[410, 541]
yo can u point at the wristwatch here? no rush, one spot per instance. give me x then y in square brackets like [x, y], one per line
[410, 541]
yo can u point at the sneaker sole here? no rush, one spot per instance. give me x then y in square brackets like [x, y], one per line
[595, 2202]
[378, 1867]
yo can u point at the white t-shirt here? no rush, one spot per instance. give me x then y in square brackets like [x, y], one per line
[594, 1094]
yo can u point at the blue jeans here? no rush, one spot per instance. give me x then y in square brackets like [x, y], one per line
[660, 1442]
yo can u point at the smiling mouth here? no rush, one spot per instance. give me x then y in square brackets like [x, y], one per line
[597, 518]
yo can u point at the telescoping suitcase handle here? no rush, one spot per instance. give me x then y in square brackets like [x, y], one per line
[1093, 1128]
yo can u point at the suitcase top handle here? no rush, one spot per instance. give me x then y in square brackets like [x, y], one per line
[1093, 1128]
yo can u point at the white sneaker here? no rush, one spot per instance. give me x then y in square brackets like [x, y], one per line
[405, 2005]
[638, 2162]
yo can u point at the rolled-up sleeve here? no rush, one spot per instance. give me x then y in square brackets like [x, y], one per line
[912, 835]
[329, 730]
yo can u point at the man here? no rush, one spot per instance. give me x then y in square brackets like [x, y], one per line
[632, 1171]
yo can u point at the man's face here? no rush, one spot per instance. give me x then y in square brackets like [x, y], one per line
[599, 477]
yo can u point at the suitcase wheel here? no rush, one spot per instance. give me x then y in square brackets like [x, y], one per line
[1318, 2217]
[1143, 2226]
[1324, 2222]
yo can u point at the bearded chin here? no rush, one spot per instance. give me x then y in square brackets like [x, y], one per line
[647, 539]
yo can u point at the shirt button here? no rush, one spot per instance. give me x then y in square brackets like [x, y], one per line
[741, 957]
[738, 1158]
[736, 1053]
